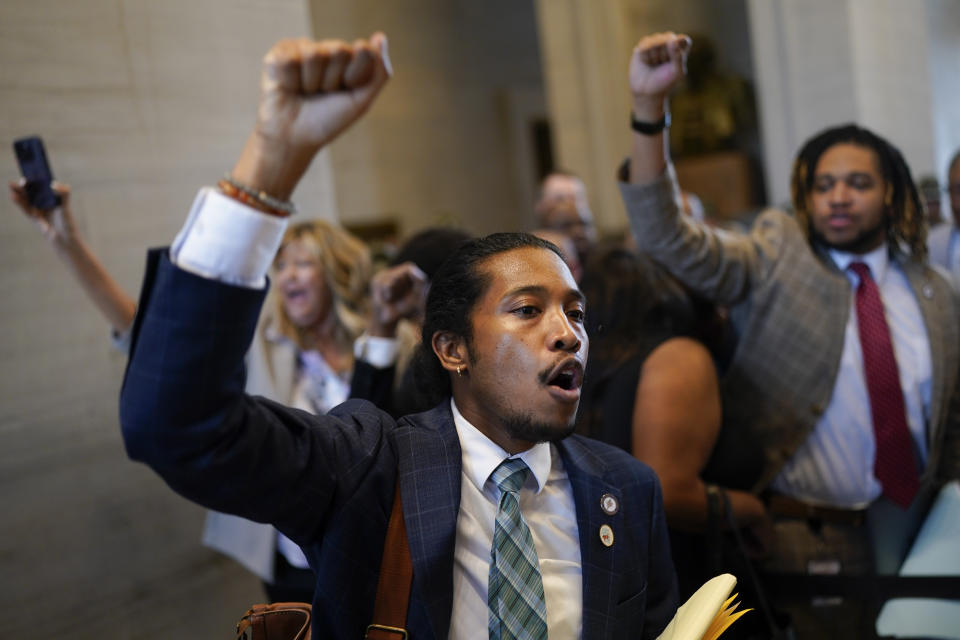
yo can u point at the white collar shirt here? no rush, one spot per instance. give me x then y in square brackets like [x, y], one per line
[546, 502]
[953, 257]
[834, 466]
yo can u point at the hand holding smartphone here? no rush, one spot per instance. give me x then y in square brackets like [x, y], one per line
[35, 169]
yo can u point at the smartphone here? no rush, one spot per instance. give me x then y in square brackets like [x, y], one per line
[34, 166]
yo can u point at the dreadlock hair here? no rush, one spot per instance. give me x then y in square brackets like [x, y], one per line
[455, 289]
[906, 226]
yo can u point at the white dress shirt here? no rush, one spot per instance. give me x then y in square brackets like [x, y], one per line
[546, 502]
[953, 260]
[834, 466]
[943, 241]
[225, 240]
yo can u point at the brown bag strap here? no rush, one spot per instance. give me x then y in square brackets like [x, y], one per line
[396, 576]
[286, 620]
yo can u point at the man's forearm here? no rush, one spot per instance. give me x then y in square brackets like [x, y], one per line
[183, 409]
[657, 65]
[648, 155]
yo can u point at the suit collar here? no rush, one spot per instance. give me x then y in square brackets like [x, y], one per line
[599, 562]
[431, 504]
[282, 360]
[877, 260]
[933, 297]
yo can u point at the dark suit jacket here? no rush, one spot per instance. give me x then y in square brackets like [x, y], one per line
[328, 482]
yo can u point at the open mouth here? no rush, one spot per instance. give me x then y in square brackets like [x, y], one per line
[566, 378]
[293, 295]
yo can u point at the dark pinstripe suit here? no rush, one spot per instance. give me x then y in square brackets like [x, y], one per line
[796, 303]
[327, 482]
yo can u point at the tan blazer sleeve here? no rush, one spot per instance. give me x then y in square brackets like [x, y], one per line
[721, 265]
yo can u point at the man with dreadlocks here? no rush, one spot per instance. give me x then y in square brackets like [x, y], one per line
[846, 370]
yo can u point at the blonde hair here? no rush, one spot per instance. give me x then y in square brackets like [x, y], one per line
[347, 269]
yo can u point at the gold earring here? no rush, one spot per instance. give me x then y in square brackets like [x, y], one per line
[460, 370]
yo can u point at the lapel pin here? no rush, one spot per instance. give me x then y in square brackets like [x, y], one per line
[606, 535]
[609, 504]
[928, 291]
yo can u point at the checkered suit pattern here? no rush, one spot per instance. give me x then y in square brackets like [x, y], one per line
[328, 481]
[792, 304]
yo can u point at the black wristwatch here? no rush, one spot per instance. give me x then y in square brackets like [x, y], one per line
[650, 128]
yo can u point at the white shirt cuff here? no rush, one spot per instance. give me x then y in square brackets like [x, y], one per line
[121, 339]
[228, 241]
[375, 350]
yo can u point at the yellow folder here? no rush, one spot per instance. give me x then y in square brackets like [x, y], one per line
[707, 613]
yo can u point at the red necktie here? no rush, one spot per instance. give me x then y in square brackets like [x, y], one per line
[894, 465]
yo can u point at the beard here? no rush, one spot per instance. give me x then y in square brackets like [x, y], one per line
[519, 424]
[523, 426]
[864, 242]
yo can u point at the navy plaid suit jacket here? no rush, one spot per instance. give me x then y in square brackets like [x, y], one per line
[328, 482]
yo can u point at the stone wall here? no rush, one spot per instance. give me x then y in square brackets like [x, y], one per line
[140, 103]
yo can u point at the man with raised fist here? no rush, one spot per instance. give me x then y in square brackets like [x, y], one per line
[516, 528]
[846, 371]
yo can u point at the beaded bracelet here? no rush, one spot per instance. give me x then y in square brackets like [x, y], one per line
[255, 198]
